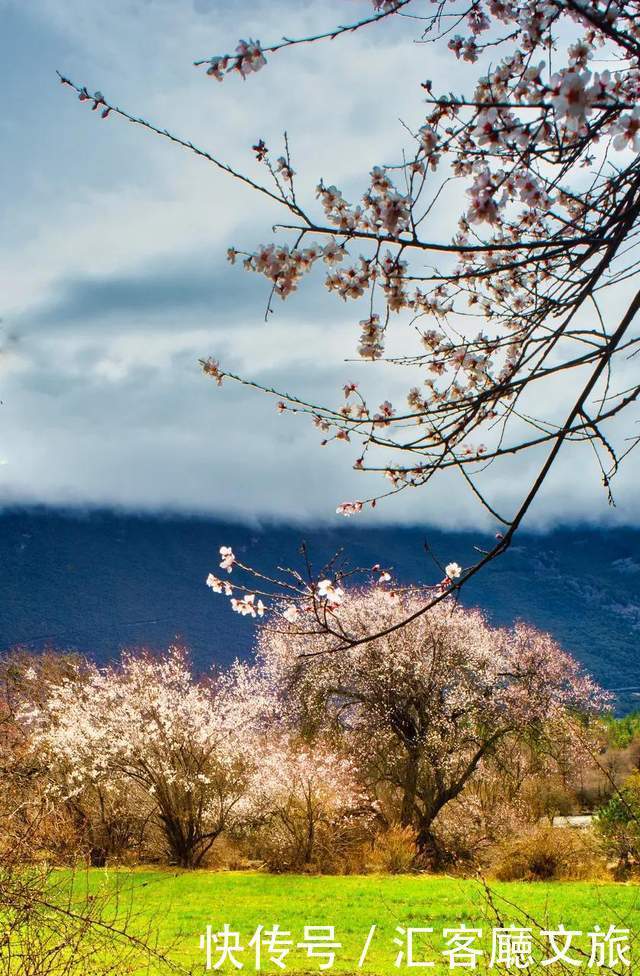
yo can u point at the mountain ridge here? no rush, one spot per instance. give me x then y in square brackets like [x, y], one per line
[99, 581]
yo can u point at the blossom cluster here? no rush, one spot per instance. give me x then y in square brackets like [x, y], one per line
[324, 593]
[519, 142]
[248, 59]
[285, 266]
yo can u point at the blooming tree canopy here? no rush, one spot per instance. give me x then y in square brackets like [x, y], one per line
[427, 705]
[534, 174]
[307, 792]
[189, 749]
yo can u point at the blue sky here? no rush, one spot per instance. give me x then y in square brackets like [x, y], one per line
[115, 283]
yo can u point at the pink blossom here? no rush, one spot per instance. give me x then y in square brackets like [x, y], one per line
[218, 585]
[371, 343]
[291, 613]
[333, 253]
[628, 131]
[247, 606]
[327, 590]
[349, 508]
[217, 67]
[572, 100]
[386, 412]
[249, 57]
[228, 558]
[212, 368]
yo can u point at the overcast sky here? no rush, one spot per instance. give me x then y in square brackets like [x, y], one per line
[115, 283]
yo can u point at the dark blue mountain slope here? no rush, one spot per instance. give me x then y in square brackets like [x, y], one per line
[101, 581]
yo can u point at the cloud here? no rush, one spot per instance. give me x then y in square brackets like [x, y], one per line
[116, 281]
[168, 286]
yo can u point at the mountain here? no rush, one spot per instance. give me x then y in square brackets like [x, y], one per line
[99, 581]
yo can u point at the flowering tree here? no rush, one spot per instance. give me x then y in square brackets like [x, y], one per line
[531, 287]
[528, 780]
[308, 793]
[430, 704]
[52, 922]
[24, 798]
[184, 749]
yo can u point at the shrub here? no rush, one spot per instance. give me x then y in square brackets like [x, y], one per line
[336, 848]
[548, 854]
[393, 851]
[618, 825]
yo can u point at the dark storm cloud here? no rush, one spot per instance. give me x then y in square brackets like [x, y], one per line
[203, 292]
[146, 293]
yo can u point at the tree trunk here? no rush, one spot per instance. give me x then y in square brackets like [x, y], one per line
[310, 840]
[407, 813]
[428, 847]
[181, 849]
[97, 857]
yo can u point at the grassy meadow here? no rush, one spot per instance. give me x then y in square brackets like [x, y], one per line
[179, 906]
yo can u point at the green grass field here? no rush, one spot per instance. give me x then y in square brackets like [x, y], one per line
[179, 905]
